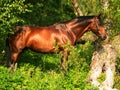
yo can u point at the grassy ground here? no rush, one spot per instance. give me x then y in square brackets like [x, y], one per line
[41, 72]
[37, 71]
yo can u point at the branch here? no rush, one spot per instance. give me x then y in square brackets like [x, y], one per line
[76, 7]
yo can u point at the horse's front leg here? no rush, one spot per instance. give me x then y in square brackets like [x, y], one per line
[64, 59]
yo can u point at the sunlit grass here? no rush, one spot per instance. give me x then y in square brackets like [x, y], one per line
[38, 71]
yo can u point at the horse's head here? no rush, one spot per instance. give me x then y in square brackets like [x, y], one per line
[97, 27]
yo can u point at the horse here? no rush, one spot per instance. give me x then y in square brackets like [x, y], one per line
[43, 39]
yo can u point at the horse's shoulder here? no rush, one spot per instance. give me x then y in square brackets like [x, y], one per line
[60, 26]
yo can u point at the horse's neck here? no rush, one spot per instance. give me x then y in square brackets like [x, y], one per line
[78, 28]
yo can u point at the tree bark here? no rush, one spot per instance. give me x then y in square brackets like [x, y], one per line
[107, 21]
[76, 7]
[105, 4]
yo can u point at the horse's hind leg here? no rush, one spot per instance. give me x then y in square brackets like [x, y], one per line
[14, 57]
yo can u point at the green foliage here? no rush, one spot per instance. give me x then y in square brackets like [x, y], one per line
[10, 12]
[48, 12]
[92, 7]
[116, 46]
[113, 14]
[41, 72]
[117, 80]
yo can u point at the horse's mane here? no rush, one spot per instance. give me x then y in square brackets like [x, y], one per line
[82, 18]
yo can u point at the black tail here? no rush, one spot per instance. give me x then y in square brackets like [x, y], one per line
[7, 56]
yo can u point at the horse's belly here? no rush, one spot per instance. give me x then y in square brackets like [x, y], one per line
[44, 48]
[41, 46]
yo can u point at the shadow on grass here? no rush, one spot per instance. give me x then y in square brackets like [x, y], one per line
[46, 61]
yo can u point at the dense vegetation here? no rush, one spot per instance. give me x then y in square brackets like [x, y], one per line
[38, 71]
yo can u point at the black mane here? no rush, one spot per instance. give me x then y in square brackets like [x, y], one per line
[82, 18]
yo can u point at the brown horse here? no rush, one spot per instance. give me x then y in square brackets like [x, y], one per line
[43, 39]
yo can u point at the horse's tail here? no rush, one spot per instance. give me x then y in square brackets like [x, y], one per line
[19, 29]
[7, 55]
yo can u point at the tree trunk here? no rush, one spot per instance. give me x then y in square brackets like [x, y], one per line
[76, 8]
[105, 4]
[107, 21]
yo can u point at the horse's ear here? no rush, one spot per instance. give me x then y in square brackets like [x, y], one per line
[99, 16]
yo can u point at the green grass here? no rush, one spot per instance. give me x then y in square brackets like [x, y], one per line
[38, 71]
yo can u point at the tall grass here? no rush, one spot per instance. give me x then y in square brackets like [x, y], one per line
[38, 71]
